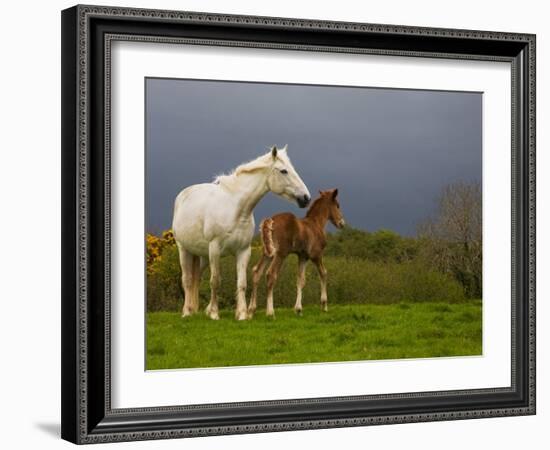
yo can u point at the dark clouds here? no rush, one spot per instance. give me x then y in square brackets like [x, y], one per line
[388, 151]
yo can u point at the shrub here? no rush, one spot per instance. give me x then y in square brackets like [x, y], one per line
[155, 246]
[382, 245]
[350, 280]
[164, 291]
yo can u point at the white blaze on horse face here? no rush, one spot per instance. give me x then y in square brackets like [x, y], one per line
[285, 181]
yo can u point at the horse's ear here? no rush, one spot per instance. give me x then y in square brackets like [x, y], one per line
[285, 148]
[334, 193]
[274, 151]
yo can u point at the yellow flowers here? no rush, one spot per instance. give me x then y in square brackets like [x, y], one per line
[155, 245]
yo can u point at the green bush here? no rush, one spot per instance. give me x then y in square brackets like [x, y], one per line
[164, 291]
[382, 245]
[351, 279]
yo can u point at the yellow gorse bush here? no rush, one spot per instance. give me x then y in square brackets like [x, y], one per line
[155, 246]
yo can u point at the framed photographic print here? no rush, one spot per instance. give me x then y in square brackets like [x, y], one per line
[283, 224]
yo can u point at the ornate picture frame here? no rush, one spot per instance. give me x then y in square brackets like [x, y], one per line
[88, 33]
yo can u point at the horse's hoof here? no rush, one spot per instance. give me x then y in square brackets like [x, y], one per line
[241, 315]
[298, 312]
[270, 315]
[212, 314]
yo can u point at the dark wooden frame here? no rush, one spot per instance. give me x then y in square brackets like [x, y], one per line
[87, 32]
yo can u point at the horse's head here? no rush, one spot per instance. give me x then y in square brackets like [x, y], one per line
[283, 179]
[334, 213]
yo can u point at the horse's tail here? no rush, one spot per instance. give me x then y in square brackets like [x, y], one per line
[266, 232]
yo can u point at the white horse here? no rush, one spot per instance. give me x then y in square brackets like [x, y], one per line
[215, 219]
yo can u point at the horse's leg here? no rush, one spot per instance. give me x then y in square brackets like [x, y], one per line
[186, 264]
[243, 257]
[215, 279]
[323, 277]
[272, 274]
[300, 283]
[257, 273]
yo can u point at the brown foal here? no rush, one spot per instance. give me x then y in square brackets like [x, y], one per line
[283, 234]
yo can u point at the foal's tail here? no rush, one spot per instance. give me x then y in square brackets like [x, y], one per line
[266, 232]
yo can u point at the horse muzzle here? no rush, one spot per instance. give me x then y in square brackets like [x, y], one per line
[303, 200]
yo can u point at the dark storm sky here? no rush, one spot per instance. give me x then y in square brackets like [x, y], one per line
[388, 151]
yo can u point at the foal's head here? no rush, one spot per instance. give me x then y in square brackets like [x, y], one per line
[329, 201]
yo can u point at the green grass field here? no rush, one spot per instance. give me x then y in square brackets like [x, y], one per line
[345, 333]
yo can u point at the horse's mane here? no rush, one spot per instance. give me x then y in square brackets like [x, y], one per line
[261, 162]
[314, 206]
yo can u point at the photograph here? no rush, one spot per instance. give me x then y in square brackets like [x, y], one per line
[304, 223]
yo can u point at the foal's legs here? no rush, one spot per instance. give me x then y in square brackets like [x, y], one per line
[243, 257]
[272, 274]
[257, 273]
[300, 283]
[323, 277]
[214, 257]
[186, 264]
